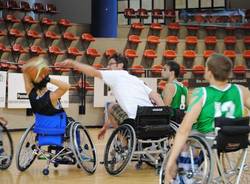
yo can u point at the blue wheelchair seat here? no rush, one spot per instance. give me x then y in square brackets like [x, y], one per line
[50, 130]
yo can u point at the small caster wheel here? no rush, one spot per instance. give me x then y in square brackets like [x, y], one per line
[46, 172]
[56, 164]
[138, 166]
[78, 166]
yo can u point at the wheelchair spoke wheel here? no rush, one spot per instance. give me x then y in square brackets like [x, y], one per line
[119, 149]
[231, 163]
[194, 164]
[83, 148]
[26, 153]
[6, 148]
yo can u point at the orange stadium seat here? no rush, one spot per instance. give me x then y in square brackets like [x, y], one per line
[3, 48]
[230, 53]
[246, 40]
[156, 69]
[191, 40]
[246, 54]
[134, 39]
[230, 40]
[137, 25]
[239, 70]
[16, 32]
[110, 52]
[189, 54]
[157, 14]
[198, 70]
[153, 39]
[47, 21]
[156, 26]
[52, 35]
[172, 40]
[88, 37]
[199, 19]
[182, 70]
[137, 70]
[54, 49]
[142, 13]
[70, 36]
[92, 52]
[185, 83]
[169, 54]
[74, 51]
[193, 28]
[29, 20]
[12, 19]
[130, 53]
[65, 22]
[169, 13]
[210, 40]
[35, 49]
[208, 53]
[174, 26]
[19, 48]
[33, 34]
[2, 33]
[98, 66]
[149, 53]
[129, 13]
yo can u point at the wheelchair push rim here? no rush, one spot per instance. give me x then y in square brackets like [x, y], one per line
[83, 148]
[198, 166]
[6, 148]
[26, 155]
[119, 149]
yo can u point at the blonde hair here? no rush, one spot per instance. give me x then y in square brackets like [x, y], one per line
[39, 62]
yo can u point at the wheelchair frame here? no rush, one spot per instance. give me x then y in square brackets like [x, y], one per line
[6, 158]
[225, 170]
[149, 150]
[69, 154]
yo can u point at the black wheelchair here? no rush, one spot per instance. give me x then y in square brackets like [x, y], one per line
[147, 138]
[58, 139]
[226, 148]
[6, 148]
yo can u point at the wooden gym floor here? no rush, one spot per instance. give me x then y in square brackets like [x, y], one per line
[71, 174]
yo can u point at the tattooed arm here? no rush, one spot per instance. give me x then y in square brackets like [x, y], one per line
[182, 134]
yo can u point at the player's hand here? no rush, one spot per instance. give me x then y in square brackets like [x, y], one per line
[3, 121]
[102, 133]
[170, 174]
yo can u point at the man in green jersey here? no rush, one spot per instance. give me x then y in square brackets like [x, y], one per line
[174, 93]
[219, 99]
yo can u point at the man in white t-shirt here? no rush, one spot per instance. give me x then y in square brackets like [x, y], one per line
[129, 91]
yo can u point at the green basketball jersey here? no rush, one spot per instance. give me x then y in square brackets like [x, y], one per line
[179, 100]
[219, 103]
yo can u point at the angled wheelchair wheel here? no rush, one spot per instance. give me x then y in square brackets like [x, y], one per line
[6, 148]
[26, 153]
[83, 148]
[119, 149]
[231, 163]
[194, 165]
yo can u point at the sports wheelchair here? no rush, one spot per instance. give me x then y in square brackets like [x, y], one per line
[58, 139]
[6, 147]
[147, 138]
[226, 148]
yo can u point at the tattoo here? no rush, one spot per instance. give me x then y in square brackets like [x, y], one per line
[196, 96]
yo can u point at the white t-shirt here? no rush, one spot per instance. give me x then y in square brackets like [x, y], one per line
[128, 90]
